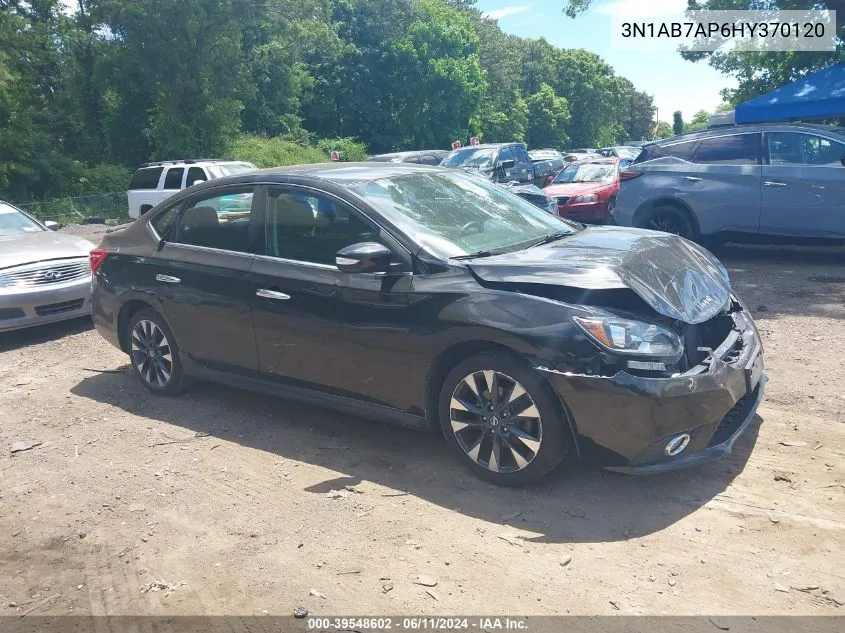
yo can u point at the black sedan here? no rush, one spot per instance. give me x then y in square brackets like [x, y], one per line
[432, 298]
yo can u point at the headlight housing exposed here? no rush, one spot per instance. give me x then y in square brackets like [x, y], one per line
[587, 197]
[629, 337]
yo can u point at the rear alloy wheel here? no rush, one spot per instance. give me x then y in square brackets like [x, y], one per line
[500, 417]
[668, 220]
[154, 354]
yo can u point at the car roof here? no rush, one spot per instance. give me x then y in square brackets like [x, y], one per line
[602, 159]
[486, 146]
[191, 161]
[724, 130]
[337, 172]
[416, 152]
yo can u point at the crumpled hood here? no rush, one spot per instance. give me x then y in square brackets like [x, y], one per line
[676, 277]
[40, 246]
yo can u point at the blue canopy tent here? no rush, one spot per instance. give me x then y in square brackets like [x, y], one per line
[817, 96]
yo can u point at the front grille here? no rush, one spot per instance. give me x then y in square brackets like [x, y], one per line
[45, 273]
[58, 308]
[562, 200]
[733, 418]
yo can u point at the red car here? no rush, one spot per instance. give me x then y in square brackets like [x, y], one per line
[586, 190]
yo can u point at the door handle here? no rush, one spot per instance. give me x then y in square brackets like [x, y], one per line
[692, 178]
[272, 294]
[773, 183]
[168, 279]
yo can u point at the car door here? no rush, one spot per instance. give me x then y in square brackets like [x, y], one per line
[803, 185]
[722, 183]
[319, 327]
[201, 278]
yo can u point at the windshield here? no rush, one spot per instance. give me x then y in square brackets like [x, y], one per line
[454, 214]
[230, 169]
[587, 172]
[469, 157]
[14, 222]
[628, 152]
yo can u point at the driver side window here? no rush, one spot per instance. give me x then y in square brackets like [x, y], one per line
[305, 227]
[506, 154]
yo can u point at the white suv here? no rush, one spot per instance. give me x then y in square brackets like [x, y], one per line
[154, 182]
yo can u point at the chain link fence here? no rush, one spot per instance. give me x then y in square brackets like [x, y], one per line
[94, 209]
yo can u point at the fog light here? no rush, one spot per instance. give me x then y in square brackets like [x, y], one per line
[677, 444]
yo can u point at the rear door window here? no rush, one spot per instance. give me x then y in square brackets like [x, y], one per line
[173, 178]
[194, 174]
[146, 178]
[676, 150]
[736, 149]
[222, 221]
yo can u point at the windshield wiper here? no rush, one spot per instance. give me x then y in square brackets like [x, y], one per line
[476, 254]
[551, 237]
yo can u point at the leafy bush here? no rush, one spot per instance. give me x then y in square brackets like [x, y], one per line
[350, 149]
[101, 179]
[274, 152]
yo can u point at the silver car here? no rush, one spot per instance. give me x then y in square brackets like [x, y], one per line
[44, 276]
[770, 181]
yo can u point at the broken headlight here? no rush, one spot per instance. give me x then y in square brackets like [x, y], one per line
[626, 336]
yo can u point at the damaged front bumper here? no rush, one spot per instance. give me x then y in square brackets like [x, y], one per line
[634, 424]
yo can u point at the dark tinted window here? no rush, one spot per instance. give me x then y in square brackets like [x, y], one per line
[796, 148]
[677, 150]
[429, 159]
[506, 154]
[164, 222]
[220, 222]
[412, 159]
[173, 178]
[194, 174]
[146, 178]
[737, 149]
[309, 228]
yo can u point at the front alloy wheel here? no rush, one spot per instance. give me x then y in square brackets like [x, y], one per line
[502, 419]
[495, 421]
[151, 354]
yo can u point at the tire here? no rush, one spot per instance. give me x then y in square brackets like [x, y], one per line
[148, 332]
[608, 217]
[145, 208]
[529, 446]
[669, 220]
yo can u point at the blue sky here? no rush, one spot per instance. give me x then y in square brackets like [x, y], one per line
[674, 83]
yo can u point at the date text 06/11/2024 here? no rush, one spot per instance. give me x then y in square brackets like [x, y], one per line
[428, 623]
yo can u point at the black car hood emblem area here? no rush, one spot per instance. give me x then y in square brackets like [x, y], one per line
[676, 277]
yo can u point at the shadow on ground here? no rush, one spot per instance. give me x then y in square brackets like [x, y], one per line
[18, 339]
[574, 505]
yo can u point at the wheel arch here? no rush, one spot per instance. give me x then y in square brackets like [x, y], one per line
[668, 201]
[451, 356]
[127, 311]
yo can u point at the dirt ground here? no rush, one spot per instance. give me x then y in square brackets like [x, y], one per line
[219, 501]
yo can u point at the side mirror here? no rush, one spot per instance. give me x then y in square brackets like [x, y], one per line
[365, 257]
[507, 164]
[53, 226]
[196, 182]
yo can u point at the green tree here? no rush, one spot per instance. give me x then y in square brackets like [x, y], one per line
[699, 122]
[548, 117]
[664, 130]
[637, 113]
[677, 122]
